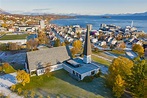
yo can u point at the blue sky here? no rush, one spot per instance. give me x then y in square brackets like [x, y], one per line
[93, 7]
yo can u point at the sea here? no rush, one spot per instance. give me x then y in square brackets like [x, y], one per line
[140, 22]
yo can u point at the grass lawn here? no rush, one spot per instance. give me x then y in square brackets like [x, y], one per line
[119, 52]
[100, 60]
[62, 85]
[14, 37]
[104, 55]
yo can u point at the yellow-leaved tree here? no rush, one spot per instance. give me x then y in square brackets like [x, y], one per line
[119, 86]
[121, 66]
[23, 77]
[77, 45]
[138, 49]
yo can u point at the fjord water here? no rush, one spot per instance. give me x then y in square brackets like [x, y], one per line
[140, 22]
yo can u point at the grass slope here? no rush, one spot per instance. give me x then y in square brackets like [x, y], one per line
[61, 84]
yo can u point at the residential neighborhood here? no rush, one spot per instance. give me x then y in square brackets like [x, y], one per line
[42, 59]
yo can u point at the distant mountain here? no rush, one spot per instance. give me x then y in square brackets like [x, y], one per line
[128, 14]
[3, 12]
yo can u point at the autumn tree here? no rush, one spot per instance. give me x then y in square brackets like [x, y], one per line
[138, 49]
[13, 87]
[135, 81]
[122, 45]
[119, 86]
[23, 77]
[121, 66]
[32, 94]
[77, 44]
[42, 38]
[19, 90]
[63, 44]
[32, 44]
[57, 43]
[73, 51]
[14, 46]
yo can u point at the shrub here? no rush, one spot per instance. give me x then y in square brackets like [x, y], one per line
[88, 79]
[98, 74]
[19, 90]
[13, 87]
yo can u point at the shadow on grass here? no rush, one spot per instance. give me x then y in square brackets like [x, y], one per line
[97, 86]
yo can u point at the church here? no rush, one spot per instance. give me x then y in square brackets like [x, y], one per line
[60, 58]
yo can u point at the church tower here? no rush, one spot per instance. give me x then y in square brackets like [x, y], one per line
[87, 46]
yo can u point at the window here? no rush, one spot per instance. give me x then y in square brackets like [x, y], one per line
[93, 72]
[73, 72]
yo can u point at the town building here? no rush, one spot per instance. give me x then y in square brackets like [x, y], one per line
[60, 58]
[42, 24]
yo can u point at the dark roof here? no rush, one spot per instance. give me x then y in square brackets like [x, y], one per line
[39, 59]
[87, 45]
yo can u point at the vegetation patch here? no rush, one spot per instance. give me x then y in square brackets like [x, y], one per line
[6, 68]
[14, 37]
[62, 85]
[100, 60]
[119, 52]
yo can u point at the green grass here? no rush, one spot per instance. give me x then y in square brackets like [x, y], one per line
[119, 52]
[100, 60]
[9, 69]
[61, 84]
[103, 55]
[14, 37]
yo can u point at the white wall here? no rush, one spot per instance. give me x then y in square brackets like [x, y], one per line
[22, 41]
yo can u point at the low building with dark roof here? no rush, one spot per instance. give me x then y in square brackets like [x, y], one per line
[37, 61]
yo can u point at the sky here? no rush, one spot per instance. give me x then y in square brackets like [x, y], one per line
[85, 7]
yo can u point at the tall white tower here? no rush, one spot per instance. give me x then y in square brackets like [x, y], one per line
[87, 46]
[42, 24]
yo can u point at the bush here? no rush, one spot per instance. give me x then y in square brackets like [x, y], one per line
[98, 74]
[88, 79]
[13, 87]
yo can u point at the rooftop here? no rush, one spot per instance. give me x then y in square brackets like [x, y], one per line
[83, 68]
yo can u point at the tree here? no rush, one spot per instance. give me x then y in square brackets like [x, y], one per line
[13, 87]
[19, 90]
[77, 45]
[1, 68]
[121, 66]
[122, 45]
[119, 86]
[57, 43]
[73, 51]
[63, 44]
[14, 46]
[138, 49]
[32, 44]
[136, 80]
[42, 38]
[32, 94]
[23, 77]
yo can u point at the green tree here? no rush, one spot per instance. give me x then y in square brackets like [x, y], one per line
[119, 86]
[136, 80]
